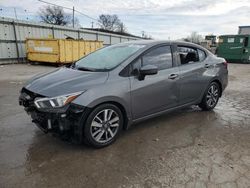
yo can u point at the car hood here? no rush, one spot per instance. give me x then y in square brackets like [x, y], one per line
[64, 81]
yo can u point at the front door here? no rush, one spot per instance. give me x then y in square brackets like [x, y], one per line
[156, 92]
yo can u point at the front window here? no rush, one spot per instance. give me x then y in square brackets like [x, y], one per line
[160, 57]
[108, 57]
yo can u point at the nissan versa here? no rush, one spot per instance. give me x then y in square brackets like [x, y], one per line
[108, 90]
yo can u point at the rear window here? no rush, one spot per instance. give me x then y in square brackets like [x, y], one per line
[187, 55]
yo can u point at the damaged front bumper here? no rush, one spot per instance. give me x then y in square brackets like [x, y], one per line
[66, 121]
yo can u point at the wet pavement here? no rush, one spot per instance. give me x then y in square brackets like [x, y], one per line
[187, 148]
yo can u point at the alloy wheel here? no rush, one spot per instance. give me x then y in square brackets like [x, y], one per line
[212, 96]
[104, 125]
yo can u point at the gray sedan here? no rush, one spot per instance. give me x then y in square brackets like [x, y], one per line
[116, 86]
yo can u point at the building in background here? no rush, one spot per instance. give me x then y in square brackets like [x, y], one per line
[13, 34]
[244, 30]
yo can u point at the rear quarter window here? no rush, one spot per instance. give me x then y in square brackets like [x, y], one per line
[202, 55]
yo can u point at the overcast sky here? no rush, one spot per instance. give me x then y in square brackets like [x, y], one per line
[163, 19]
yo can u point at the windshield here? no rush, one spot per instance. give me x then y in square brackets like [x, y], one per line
[108, 57]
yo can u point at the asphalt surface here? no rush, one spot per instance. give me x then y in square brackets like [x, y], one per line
[187, 148]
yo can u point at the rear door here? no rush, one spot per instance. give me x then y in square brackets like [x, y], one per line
[156, 92]
[192, 68]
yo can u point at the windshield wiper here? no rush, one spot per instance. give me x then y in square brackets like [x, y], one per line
[85, 69]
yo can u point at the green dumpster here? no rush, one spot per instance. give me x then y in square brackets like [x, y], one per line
[234, 48]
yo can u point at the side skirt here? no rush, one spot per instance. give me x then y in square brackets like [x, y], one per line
[162, 112]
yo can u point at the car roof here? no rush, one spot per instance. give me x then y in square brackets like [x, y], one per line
[151, 43]
[148, 42]
[156, 42]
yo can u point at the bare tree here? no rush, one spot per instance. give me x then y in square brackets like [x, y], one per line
[121, 28]
[54, 15]
[111, 23]
[194, 37]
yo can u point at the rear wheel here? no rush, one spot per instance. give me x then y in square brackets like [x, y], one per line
[211, 97]
[103, 125]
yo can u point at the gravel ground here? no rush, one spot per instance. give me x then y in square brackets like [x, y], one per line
[187, 148]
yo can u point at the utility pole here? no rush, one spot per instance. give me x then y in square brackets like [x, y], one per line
[73, 17]
[15, 13]
[92, 25]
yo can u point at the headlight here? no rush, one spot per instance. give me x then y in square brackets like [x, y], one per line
[56, 102]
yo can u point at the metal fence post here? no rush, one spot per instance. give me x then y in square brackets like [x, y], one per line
[53, 32]
[97, 36]
[16, 41]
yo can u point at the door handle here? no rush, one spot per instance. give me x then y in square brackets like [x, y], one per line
[173, 76]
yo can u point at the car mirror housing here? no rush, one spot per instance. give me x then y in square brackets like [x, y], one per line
[147, 70]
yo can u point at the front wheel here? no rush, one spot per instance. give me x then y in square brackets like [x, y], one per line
[103, 125]
[211, 97]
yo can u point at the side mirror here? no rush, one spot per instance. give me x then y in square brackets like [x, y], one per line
[147, 70]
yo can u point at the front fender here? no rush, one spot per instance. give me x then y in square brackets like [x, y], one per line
[116, 92]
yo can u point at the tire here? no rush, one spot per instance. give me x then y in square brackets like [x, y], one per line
[103, 125]
[211, 97]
